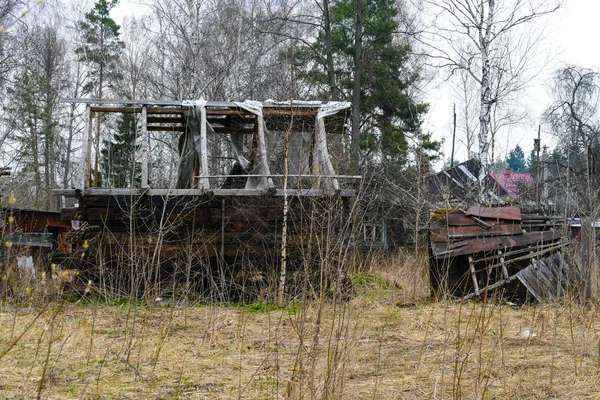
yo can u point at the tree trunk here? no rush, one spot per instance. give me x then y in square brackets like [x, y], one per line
[333, 90]
[357, 82]
[485, 92]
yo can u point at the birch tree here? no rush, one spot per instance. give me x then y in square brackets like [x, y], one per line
[493, 41]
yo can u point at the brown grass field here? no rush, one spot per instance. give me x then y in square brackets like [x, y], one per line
[371, 347]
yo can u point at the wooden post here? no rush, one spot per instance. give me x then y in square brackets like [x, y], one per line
[589, 271]
[504, 269]
[265, 169]
[327, 166]
[473, 276]
[145, 147]
[453, 135]
[86, 149]
[204, 182]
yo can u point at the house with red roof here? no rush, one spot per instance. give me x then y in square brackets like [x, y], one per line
[519, 185]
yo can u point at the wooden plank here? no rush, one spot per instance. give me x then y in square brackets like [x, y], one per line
[166, 120]
[70, 213]
[121, 101]
[528, 256]
[145, 138]
[72, 193]
[473, 275]
[503, 213]
[137, 110]
[164, 128]
[480, 222]
[499, 242]
[452, 219]
[86, 150]
[503, 264]
[204, 182]
[444, 234]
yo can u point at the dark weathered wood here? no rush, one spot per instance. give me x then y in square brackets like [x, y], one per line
[164, 128]
[72, 193]
[137, 110]
[166, 120]
[70, 213]
[444, 234]
[473, 275]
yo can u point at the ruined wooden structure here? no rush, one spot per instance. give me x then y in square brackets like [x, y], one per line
[239, 164]
[481, 249]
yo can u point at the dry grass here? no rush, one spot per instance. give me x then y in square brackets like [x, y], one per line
[365, 348]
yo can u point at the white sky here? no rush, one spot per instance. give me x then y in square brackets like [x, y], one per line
[573, 36]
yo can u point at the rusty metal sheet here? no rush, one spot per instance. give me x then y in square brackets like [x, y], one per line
[455, 218]
[450, 233]
[477, 245]
[505, 213]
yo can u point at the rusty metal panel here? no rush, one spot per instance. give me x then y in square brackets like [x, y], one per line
[453, 218]
[450, 233]
[484, 244]
[505, 213]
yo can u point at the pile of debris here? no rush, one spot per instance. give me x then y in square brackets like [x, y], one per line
[486, 248]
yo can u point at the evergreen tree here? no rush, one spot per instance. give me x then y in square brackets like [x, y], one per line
[101, 45]
[388, 113]
[516, 159]
[118, 166]
[101, 49]
[532, 161]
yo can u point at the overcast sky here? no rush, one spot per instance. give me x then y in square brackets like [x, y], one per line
[573, 38]
[573, 34]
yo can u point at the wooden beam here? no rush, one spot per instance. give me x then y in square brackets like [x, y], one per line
[145, 138]
[166, 120]
[174, 128]
[137, 110]
[87, 148]
[204, 182]
[473, 276]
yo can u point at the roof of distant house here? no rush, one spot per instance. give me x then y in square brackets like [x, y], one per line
[515, 183]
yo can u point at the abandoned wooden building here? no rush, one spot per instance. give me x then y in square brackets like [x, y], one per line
[209, 188]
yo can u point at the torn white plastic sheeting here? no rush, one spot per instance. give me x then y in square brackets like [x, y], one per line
[323, 164]
[314, 103]
[332, 108]
[263, 182]
[196, 143]
[237, 144]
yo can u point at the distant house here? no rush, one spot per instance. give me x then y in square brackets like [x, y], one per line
[519, 185]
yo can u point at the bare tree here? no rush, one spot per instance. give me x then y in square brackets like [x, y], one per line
[575, 120]
[494, 43]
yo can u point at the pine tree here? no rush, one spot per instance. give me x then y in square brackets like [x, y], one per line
[388, 113]
[532, 161]
[101, 49]
[119, 168]
[101, 46]
[516, 159]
